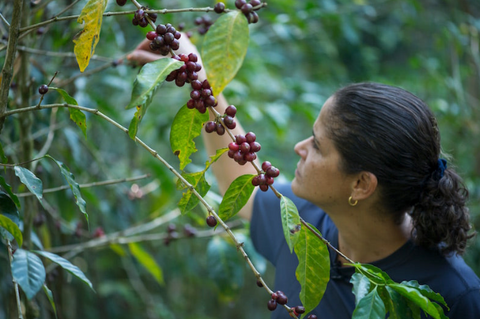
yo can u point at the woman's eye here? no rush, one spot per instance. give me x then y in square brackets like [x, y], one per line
[314, 144]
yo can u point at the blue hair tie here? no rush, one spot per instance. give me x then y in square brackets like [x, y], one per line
[442, 166]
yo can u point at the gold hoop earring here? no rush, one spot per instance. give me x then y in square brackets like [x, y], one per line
[352, 203]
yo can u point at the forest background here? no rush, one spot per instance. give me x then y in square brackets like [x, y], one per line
[300, 52]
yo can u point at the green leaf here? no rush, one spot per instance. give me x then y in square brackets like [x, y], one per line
[50, 298]
[224, 266]
[313, 270]
[12, 228]
[76, 116]
[290, 221]
[420, 300]
[65, 264]
[87, 40]
[370, 307]
[189, 200]
[395, 304]
[33, 183]
[3, 158]
[186, 125]
[224, 48]
[8, 189]
[215, 157]
[73, 185]
[148, 80]
[236, 196]
[147, 261]
[8, 209]
[375, 274]
[426, 291]
[28, 272]
[361, 286]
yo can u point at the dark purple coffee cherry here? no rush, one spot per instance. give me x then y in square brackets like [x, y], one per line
[250, 136]
[43, 89]
[240, 139]
[272, 304]
[239, 3]
[263, 188]
[299, 310]
[273, 171]
[246, 8]
[211, 221]
[281, 297]
[255, 147]
[121, 3]
[231, 111]
[210, 127]
[219, 7]
[266, 165]
[255, 3]
[161, 29]
[259, 283]
[220, 129]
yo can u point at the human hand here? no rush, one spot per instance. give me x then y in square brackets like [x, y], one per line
[143, 54]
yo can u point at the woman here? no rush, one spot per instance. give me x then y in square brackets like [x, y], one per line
[372, 180]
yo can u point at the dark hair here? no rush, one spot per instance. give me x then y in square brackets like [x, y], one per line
[393, 134]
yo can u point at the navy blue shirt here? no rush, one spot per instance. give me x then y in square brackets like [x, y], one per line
[449, 276]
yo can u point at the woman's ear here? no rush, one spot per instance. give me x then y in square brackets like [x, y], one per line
[364, 185]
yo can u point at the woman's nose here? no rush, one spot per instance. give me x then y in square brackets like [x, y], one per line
[301, 148]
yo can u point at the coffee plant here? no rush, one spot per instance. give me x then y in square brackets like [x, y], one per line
[224, 47]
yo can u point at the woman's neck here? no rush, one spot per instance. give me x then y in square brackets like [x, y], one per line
[365, 238]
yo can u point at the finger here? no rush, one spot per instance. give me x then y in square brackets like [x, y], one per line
[142, 57]
[144, 45]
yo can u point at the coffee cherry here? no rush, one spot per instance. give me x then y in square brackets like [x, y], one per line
[250, 157]
[240, 139]
[211, 221]
[273, 171]
[161, 29]
[228, 120]
[153, 16]
[220, 129]
[299, 310]
[272, 304]
[274, 296]
[231, 111]
[219, 7]
[253, 17]
[139, 14]
[151, 35]
[233, 146]
[255, 3]
[210, 127]
[269, 180]
[171, 228]
[43, 89]
[281, 297]
[121, 3]
[263, 188]
[259, 283]
[266, 165]
[255, 181]
[245, 147]
[239, 3]
[255, 147]
[250, 136]
[312, 316]
[246, 8]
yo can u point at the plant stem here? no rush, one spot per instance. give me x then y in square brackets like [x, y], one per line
[109, 182]
[15, 284]
[7, 71]
[164, 162]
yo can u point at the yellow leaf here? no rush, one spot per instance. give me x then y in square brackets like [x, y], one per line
[86, 42]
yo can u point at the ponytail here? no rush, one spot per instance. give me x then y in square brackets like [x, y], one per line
[440, 216]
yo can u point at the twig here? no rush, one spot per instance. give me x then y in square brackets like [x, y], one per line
[7, 71]
[164, 162]
[15, 284]
[67, 8]
[109, 182]
[48, 142]
[4, 20]
[88, 73]
[57, 54]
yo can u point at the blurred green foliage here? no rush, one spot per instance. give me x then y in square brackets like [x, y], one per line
[300, 53]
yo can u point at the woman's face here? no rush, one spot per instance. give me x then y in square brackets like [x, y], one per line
[318, 177]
